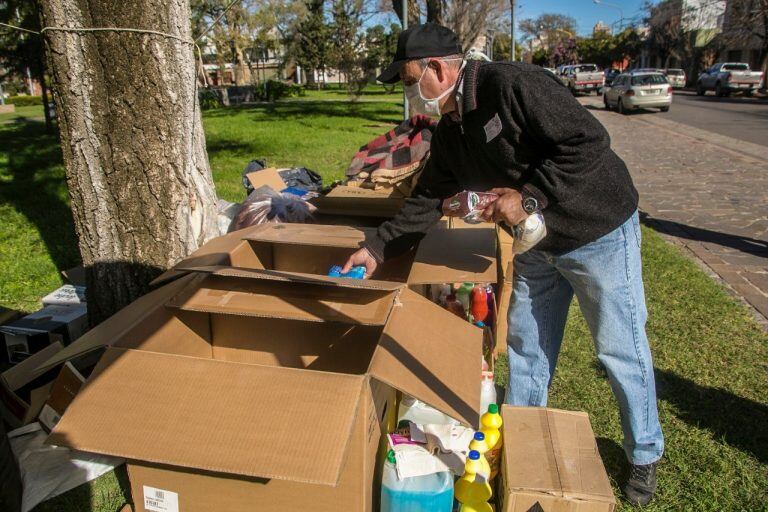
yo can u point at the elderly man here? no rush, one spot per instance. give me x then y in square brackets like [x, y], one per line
[513, 129]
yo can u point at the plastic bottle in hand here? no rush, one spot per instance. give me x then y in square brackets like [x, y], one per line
[354, 273]
[472, 490]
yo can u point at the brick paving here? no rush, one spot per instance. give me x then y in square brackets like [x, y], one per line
[706, 192]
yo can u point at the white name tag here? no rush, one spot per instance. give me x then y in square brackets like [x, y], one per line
[492, 128]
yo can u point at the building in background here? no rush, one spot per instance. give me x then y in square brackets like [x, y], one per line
[601, 29]
[740, 44]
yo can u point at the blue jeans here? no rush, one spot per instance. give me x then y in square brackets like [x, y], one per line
[606, 276]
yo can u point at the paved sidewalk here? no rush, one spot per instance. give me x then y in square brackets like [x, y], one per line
[707, 191]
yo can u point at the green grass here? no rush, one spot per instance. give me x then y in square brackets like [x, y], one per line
[710, 356]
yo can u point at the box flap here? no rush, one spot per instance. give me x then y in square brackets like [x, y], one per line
[432, 355]
[296, 277]
[217, 251]
[227, 417]
[309, 234]
[118, 324]
[26, 371]
[563, 453]
[455, 255]
[288, 300]
[268, 176]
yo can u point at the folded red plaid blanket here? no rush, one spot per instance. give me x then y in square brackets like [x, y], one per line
[396, 153]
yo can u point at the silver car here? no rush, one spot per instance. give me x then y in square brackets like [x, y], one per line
[676, 77]
[635, 90]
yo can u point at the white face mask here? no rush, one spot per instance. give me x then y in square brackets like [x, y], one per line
[420, 104]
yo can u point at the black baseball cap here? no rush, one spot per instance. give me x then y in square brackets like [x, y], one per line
[419, 42]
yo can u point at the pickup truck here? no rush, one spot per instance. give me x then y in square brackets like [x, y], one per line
[727, 77]
[584, 78]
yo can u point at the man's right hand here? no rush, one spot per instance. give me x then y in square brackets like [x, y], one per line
[364, 258]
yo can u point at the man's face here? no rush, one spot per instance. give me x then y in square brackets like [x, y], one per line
[437, 77]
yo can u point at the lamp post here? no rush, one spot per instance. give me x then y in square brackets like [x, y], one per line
[512, 4]
[621, 12]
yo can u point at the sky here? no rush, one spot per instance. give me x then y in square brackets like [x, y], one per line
[586, 12]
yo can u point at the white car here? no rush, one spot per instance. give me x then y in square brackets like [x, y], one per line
[636, 90]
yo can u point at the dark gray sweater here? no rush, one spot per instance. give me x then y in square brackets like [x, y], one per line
[519, 128]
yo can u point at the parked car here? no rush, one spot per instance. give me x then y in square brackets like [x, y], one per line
[634, 90]
[562, 73]
[676, 77]
[584, 78]
[727, 77]
[610, 75]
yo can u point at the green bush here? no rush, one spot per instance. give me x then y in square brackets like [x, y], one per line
[273, 90]
[25, 101]
[209, 99]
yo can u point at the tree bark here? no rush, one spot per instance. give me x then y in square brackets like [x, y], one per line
[139, 181]
[435, 11]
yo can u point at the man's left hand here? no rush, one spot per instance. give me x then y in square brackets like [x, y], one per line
[507, 208]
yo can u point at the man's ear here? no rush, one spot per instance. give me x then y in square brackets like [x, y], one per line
[440, 69]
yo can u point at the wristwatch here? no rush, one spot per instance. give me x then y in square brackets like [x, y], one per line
[530, 204]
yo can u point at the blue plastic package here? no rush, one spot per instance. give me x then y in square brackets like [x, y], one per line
[355, 273]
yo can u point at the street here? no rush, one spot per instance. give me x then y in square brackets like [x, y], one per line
[702, 186]
[736, 116]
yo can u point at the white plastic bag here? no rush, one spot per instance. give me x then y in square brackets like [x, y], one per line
[48, 471]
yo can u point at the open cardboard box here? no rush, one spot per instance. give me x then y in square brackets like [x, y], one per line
[238, 390]
[443, 256]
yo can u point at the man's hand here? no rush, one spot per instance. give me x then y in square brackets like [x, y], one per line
[507, 208]
[361, 257]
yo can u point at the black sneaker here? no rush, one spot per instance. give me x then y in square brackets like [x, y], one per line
[641, 485]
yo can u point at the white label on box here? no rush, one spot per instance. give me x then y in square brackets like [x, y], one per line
[49, 417]
[159, 500]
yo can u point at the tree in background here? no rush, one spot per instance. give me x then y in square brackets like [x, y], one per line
[22, 54]
[666, 37]
[140, 185]
[380, 47]
[566, 52]
[347, 53]
[501, 47]
[549, 28]
[746, 25]
[313, 41]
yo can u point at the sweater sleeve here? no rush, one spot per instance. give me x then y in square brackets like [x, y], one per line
[572, 140]
[419, 212]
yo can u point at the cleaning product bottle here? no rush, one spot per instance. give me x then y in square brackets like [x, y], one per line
[480, 446]
[478, 307]
[487, 391]
[427, 493]
[463, 293]
[490, 425]
[355, 273]
[454, 306]
[472, 490]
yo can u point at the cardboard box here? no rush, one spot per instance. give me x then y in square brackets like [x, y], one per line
[64, 389]
[31, 333]
[442, 256]
[268, 389]
[357, 201]
[67, 295]
[551, 463]
[24, 388]
[505, 261]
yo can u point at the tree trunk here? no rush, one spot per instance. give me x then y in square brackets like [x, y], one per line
[435, 11]
[242, 71]
[131, 134]
[413, 11]
[46, 102]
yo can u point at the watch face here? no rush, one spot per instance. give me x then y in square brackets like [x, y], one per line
[530, 204]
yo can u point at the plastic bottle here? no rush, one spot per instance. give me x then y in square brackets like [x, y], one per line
[490, 425]
[355, 273]
[420, 413]
[454, 306]
[473, 490]
[487, 391]
[426, 493]
[463, 293]
[478, 307]
[480, 446]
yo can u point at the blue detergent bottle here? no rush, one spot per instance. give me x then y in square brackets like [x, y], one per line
[428, 493]
[354, 273]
